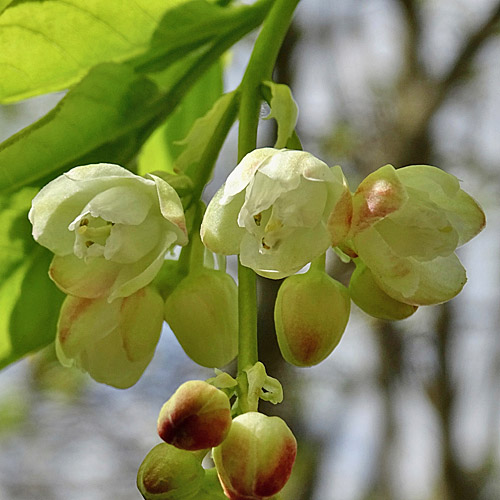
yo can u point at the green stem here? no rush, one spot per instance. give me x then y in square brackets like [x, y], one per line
[259, 69]
[319, 263]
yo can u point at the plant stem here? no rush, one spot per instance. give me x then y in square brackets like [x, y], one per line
[259, 69]
[318, 264]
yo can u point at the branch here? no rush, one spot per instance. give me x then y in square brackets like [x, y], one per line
[466, 56]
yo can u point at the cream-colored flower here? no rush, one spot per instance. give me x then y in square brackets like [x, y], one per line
[406, 225]
[108, 228]
[273, 211]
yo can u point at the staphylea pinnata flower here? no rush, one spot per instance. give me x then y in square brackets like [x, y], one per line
[113, 341]
[405, 226]
[108, 228]
[273, 211]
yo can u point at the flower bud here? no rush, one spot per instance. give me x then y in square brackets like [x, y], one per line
[196, 417]
[310, 315]
[203, 314]
[368, 296]
[168, 473]
[256, 459]
[114, 342]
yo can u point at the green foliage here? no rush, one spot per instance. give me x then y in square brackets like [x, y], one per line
[29, 301]
[66, 39]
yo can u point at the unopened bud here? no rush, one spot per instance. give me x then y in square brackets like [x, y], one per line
[310, 315]
[196, 417]
[168, 473]
[203, 314]
[256, 459]
[368, 296]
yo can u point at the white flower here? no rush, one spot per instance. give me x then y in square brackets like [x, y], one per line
[108, 228]
[273, 210]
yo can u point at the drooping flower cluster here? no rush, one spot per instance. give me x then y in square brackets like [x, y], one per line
[253, 453]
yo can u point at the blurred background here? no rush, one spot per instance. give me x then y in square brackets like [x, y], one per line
[399, 411]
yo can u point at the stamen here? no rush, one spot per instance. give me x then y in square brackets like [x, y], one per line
[84, 222]
[266, 247]
[257, 218]
[89, 243]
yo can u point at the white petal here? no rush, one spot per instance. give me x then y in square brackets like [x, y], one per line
[119, 204]
[241, 176]
[127, 244]
[220, 232]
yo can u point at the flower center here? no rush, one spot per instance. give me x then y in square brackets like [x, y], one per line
[91, 234]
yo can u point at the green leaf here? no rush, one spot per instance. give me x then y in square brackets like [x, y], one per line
[29, 301]
[50, 45]
[202, 132]
[194, 24]
[4, 4]
[163, 147]
[284, 110]
[108, 115]
[100, 110]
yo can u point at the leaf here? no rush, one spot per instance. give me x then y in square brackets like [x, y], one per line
[68, 37]
[107, 116]
[102, 108]
[284, 110]
[162, 148]
[202, 132]
[29, 301]
[50, 45]
[194, 24]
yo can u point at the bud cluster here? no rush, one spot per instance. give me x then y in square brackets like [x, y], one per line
[253, 453]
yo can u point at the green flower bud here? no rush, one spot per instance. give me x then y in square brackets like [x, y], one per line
[203, 314]
[406, 225]
[196, 417]
[114, 342]
[108, 228]
[310, 315]
[273, 211]
[368, 296]
[256, 459]
[168, 473]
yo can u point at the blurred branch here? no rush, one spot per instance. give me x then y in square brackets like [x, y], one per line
[471, 47]
[414, 30]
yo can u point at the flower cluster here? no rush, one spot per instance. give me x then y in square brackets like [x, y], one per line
[253, 453]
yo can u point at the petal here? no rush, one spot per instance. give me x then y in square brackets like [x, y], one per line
[119, 204]
[220, 232]
[420, 230]
[171, 208]
[378, 195]
[106, 361]
[288, 167]
[261, 193]
[83, 321]
[291, 255]
[141, 319]
[137, 275]
[409, 280]
[52, 210]
[302, 207]
[128, 244]
[241, 176]
[444, 189]
[88, 279]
